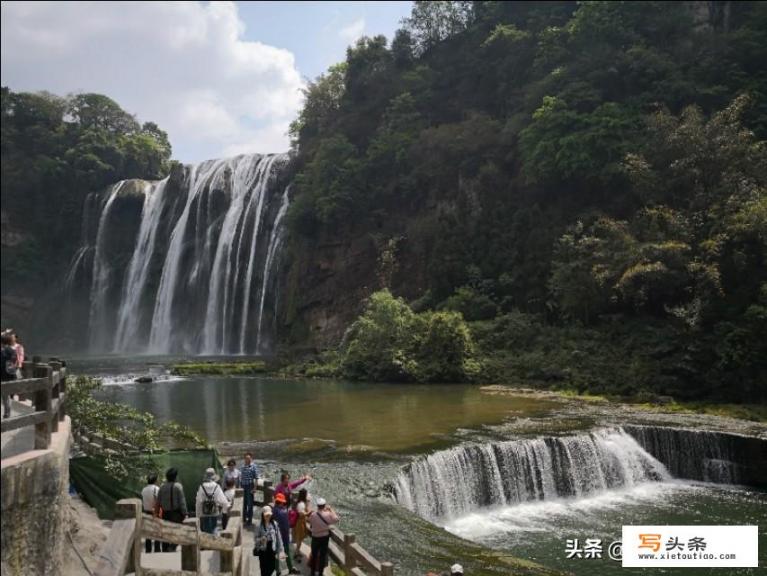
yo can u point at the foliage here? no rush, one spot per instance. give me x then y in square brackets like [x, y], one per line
[54, 152]
[125, 425]
[219, 368]
[579, 163]
[389, 342]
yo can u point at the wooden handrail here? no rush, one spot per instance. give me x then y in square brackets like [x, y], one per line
[349, 555]
[47, 387]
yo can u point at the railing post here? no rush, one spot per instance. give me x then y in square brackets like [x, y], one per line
[190, 554]
[227, 556]
[43, 404]
[53, 384]
[268, 492]
[387, 569]
[131, 508]
[350, 558]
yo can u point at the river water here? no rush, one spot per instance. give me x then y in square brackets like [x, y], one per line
[356, 439]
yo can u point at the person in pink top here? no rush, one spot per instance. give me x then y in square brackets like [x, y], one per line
[320, 523]
[286, 487]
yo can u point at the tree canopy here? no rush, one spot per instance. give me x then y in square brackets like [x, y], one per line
[575, 162]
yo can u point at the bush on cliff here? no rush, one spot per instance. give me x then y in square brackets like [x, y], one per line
[389, 342]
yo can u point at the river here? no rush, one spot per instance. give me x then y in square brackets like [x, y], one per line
[385, 454]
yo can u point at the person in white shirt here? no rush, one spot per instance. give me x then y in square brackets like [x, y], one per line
[210, 502]
[148, 503]
[229, 493]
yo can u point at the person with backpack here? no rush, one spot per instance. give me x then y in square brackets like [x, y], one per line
[268, 543]
[210, 502]
[282, 517]
[320, 523]
[171, 503]
[8, 367]
[149, 504]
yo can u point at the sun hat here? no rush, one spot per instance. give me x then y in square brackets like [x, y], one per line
[280, 498]
[266, 510]
[321, 501]
[456, 569]
[210, 474]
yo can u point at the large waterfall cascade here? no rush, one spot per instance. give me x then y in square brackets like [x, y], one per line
[186, 264]
[460, 480]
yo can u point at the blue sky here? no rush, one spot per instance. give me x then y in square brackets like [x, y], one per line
[221, 78]
[319, 32]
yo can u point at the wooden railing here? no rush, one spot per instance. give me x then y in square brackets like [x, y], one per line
[121, 554]
[353, 558]
[46, 387]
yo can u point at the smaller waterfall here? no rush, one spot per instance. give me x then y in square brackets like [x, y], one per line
[705, 455]
[462, 479]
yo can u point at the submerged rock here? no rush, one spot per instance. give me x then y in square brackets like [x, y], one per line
[143, 380]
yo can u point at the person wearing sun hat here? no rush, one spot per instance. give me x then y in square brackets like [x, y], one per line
[320, 523]
[210, 502]
[283, 521]
[268, 541]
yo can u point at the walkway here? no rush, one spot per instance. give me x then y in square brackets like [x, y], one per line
[20, 440]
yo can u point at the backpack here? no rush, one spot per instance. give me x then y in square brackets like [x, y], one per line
[209, 506]
[292, 517]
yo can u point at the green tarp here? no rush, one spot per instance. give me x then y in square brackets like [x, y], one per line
[101, 490]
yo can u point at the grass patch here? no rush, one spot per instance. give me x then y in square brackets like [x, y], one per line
[219, 368]
[751, 412]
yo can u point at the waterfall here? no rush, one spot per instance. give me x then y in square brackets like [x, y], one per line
[464, 478]
[275, 241]
[459, 480]
[138, 268]
[705, 455]
[177, 264]
[101, 273]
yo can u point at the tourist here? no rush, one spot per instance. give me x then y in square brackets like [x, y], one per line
[210, 502]
[20, 355]
[298, 521]
[232, 472]
[268, 543]
[249, 474]
[229, 493]
[281, 516]
[171, 503]
[149, 504]
[320, 523]
[7, 369]
[286, 487]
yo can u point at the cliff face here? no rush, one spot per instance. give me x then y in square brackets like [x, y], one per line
[323, 282]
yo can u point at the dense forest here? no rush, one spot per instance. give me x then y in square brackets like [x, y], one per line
[583, 182]
[55, 151]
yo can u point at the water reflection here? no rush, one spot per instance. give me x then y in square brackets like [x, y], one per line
[381, 416]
